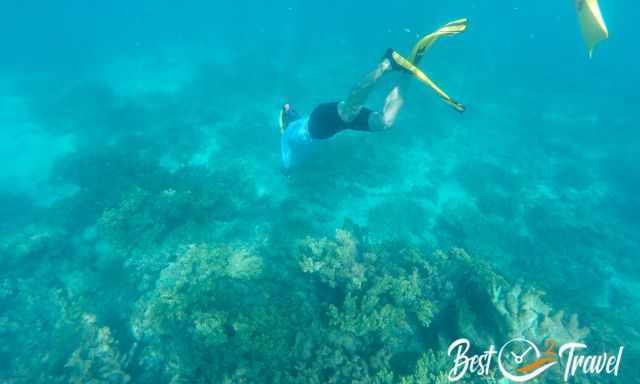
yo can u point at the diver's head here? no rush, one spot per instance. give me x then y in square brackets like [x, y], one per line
[287, 116]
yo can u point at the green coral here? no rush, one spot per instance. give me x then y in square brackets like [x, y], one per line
[197, 279]
[431, 368]
[381, 298]
[184, 206]
[379, 290]
[206, 317]
[142, 219]
[347, 311]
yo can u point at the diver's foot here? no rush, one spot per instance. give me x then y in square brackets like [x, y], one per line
[395, 61]
[392, 105]
[383, 68]
[418, 52]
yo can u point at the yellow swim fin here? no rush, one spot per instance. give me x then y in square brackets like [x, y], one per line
[409, 67]
[422, 46]
[592, 25]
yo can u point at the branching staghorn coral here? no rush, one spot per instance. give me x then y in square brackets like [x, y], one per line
[335, 262]
[382, 297]
[97, 360]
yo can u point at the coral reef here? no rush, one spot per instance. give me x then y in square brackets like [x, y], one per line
[60, 345]
[344, 309]
[97, 360]
[144, 218]
[527, 315]
[34, 244]
[434, 368]
[352, 312]
[201, 319]
[375, 307]
[311, 336]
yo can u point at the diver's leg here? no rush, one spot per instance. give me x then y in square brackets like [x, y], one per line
[350, 108]
[380, 121]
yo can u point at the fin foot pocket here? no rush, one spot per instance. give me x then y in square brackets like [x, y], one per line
[405, 65]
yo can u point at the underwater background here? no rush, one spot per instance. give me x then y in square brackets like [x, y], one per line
[147, 234]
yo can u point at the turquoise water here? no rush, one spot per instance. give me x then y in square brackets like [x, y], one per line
[147, 234]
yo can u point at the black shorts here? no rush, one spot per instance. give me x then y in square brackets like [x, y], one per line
[325, 121]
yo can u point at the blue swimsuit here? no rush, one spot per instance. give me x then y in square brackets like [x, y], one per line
[295, 142]
[323, 123]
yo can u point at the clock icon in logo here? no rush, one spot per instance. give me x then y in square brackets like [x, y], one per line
[520, 360]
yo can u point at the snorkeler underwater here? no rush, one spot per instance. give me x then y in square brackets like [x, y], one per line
[328, 119]
[319, 192]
